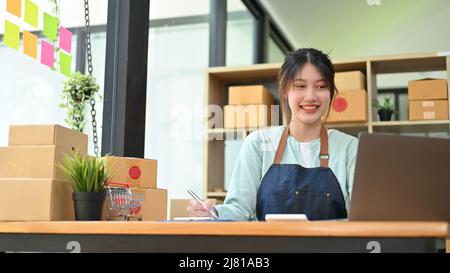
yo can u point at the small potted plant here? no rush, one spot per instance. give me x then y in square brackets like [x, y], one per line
[385, 110]
[88, 176]
[78, 90]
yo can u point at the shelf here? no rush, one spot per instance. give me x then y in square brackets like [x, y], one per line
[328, 125]
[218, 133]
[346, 125]
[227, 130]
[351, 128]
[408, 126]
[245, 74]
[410, 122]
[411, 63]
[218, 80]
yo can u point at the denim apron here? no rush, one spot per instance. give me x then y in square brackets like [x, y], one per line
[293, 189]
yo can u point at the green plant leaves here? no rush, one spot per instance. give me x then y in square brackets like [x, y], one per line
[78, 90]
[85, 173]
[386, 106]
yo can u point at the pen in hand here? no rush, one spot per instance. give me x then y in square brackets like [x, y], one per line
[210, 210]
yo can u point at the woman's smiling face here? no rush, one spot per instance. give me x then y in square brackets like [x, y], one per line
[308, 96]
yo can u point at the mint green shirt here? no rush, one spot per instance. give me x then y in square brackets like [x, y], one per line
[257, 155]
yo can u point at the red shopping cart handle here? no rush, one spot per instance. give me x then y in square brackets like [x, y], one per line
[117, 183]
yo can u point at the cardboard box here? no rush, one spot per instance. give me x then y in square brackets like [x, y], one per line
[246, 116]
[35, 200]
[178, 208]
[155, 204]
[154, 207]
[351, 80]
[349, 106]
[20, 135]
[32, 161]
[141, 173]
[247, 95]
[427, 89]
[428, 110]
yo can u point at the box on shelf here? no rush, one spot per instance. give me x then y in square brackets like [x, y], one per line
[349, 106]
[141, 173]
[20, 135]
[250, 94]
[350, 80]
[26, 199]
[428, 110]
[154, 207]
[32, 161]
[427, 89]
[246, 116]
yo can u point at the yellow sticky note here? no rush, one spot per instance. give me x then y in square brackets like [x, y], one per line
[50, 26]
[65, 61]
[11, 37]
[30, 44]
[14, 7]
[31, 13]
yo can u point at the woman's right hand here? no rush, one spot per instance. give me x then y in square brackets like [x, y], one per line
[195, 209]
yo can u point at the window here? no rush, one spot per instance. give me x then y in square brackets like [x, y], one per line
[30, 92]
[178, 57]
[241, 27]
[275, 54]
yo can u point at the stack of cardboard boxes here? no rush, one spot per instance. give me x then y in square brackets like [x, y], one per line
[350, 105]
[428, 99]
[32, 186]
[248, 107]
[142, 175]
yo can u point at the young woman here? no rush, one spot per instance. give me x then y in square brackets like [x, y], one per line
[302, 168]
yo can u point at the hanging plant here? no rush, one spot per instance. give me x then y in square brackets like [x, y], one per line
[78, 90]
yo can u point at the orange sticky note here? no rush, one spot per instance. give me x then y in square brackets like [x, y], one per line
[30, 44]
[14, 7]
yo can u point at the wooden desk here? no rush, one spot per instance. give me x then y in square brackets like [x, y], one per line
[252, 237]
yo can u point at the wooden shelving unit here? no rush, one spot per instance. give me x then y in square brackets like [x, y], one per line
[218, 79]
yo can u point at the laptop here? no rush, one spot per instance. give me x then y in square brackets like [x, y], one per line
[401, 178]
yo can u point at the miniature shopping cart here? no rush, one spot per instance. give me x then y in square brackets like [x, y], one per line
[123, 203]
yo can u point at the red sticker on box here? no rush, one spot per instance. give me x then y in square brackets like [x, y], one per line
[134, 172]
[339, 104]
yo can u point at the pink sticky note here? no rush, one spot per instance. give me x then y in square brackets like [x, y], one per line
[65, 39]
[47, 54]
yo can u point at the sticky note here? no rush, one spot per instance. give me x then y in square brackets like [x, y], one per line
[65, 64]
[11, 37]
[31, 13]
[47, 54]
[30, 44]
[14, 7]
[50, 26]
[65, 39]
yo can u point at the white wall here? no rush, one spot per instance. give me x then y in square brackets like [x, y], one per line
[352, 28]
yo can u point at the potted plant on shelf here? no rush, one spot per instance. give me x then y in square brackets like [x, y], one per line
[88, 176]
[385, 110]
[78, 90]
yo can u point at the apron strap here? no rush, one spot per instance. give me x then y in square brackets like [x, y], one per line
[281, 146]
[324, 156]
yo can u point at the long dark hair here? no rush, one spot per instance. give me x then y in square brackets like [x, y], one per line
[293, 63]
